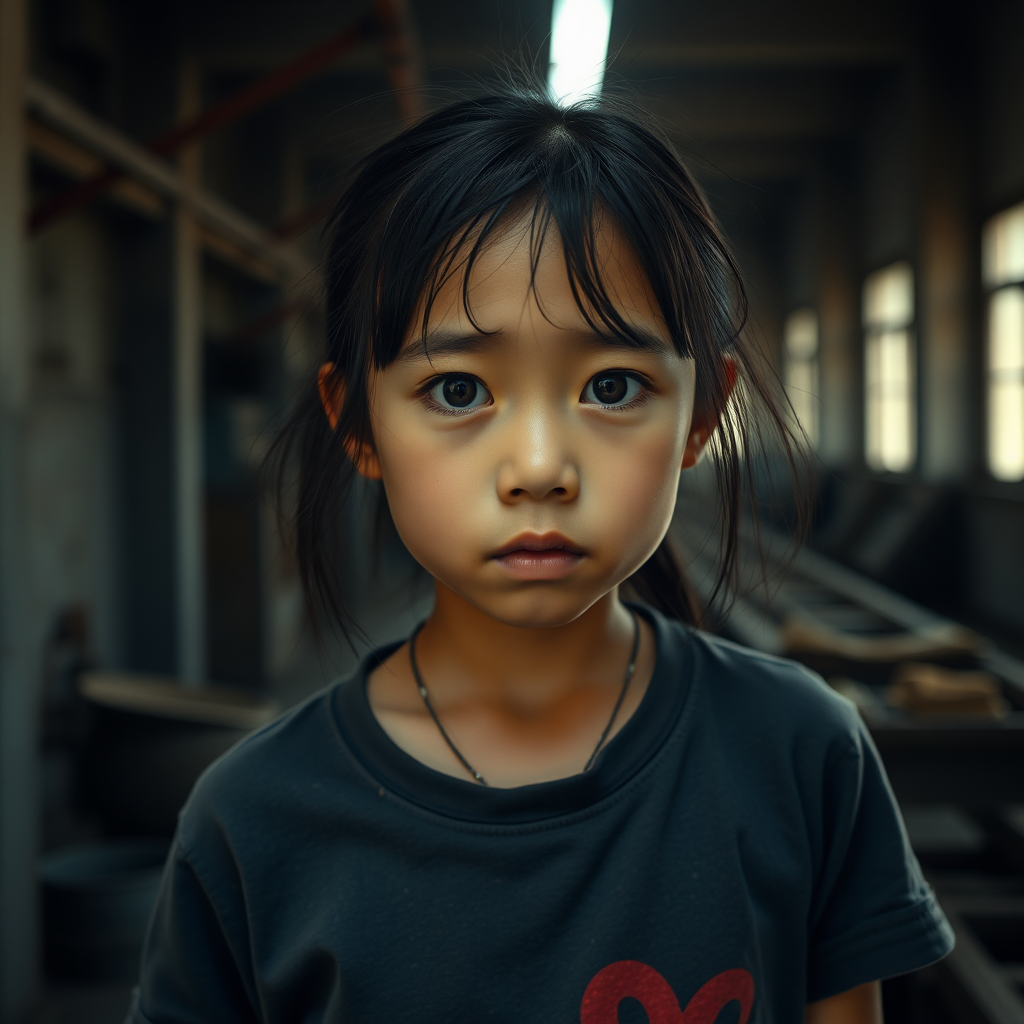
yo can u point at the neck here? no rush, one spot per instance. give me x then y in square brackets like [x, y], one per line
[466, 655]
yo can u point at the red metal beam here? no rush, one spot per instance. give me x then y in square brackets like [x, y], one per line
[220, 114]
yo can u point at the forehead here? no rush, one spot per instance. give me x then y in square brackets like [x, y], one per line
[517, 275]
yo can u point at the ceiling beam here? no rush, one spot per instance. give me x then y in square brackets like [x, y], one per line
[112, 146]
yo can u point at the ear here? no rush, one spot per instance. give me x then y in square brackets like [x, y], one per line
[705, 423]
[332, 397]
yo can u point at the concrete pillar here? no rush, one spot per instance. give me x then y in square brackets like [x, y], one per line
[188, 407]
[19, 938]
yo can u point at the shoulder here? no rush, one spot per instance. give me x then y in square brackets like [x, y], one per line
[280, 766]
[761, 677]
[756, 694]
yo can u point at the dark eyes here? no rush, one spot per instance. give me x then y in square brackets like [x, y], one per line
[458, 393]
[615, 390]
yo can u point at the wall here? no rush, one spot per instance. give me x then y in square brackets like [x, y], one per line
[888, 174]
[1002, 114]
[72, 545]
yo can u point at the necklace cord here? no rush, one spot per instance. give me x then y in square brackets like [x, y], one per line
[433, 714]
[630, 669]
[421, 686]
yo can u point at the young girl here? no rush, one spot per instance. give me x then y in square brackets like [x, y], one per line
[548, 804]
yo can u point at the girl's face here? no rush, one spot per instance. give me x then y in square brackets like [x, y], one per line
[532, 468]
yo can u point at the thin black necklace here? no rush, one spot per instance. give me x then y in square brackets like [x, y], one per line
[631, 668]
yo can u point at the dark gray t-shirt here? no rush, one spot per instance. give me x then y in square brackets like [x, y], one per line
[734, 854]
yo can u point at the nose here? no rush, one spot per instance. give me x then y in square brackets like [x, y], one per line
[539, 464]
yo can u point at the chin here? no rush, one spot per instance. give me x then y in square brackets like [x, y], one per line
[537, 607]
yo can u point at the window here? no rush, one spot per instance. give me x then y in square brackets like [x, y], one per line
[1003, 271]
[890, 407]
[801, 369]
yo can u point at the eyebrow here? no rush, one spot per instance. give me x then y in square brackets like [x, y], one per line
[444, 341]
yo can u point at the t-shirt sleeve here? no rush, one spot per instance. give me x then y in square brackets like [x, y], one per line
[193, 967]
[873, 915]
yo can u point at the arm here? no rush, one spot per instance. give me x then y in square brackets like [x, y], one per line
[861, 1005]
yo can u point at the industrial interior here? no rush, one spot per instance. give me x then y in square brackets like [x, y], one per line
[164, 172]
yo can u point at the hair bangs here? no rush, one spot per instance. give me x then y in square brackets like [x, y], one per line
[568, 186]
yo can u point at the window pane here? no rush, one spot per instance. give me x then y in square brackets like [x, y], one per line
[890, 400]
[1003, 247]
[1006, 430]
[889, 297]
[894, 366]
[1006, 330]
[890, 434]
[1006, 384]
[801, 369]
[801, 333]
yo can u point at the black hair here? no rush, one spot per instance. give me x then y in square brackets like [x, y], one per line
[419, 209]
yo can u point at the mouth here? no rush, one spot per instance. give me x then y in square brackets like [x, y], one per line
[539, 556]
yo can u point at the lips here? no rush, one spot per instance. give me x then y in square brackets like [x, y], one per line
[539, 556]
[550, 541]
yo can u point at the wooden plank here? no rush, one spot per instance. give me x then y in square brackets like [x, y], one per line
[78, 163]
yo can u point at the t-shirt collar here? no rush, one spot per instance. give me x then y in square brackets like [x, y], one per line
[624, 755]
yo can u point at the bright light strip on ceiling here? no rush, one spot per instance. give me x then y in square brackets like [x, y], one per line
[579, 48]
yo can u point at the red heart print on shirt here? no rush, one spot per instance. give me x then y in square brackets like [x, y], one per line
[633, 979]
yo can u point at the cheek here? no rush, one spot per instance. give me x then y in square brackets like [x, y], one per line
[430, 496]
[638, 486]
